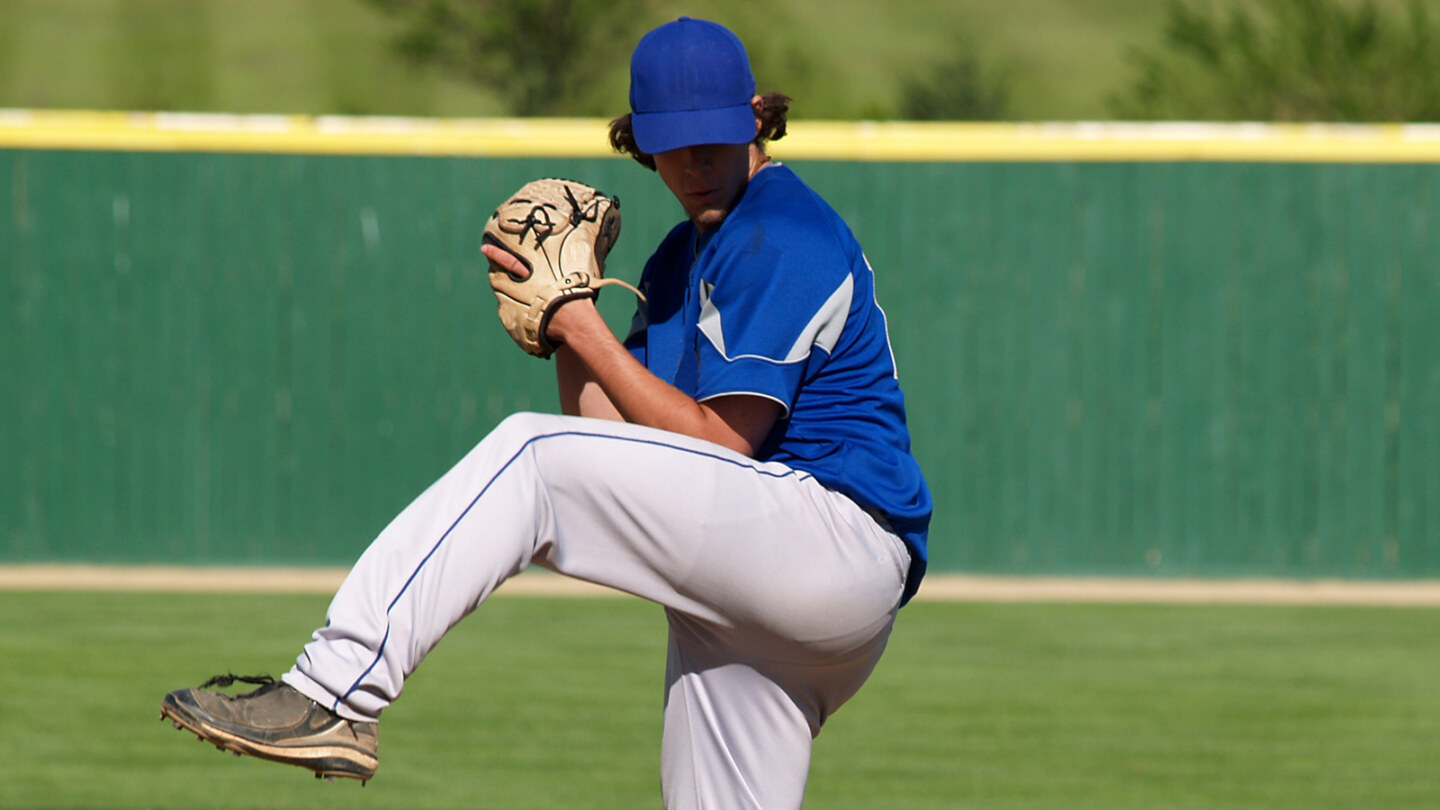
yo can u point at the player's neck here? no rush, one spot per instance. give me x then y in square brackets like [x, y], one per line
[758, 159]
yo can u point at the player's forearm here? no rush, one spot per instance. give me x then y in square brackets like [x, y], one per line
[636, 395]
[580, 395]
[641, 397]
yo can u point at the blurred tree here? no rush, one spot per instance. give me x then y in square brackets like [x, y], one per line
[953, 89]
[1290, 60]
[546, 57]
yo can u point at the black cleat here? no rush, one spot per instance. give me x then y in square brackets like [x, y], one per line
[277, 723]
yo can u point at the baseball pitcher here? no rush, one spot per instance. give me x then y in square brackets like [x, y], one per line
[741, 458]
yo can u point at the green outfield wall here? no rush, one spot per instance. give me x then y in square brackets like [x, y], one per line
[1137, 352]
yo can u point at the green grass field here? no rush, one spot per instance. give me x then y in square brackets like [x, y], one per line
[554, 703]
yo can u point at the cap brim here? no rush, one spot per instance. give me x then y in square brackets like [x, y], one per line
[663, 131]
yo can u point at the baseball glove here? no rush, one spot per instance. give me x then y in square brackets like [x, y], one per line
[561, 231]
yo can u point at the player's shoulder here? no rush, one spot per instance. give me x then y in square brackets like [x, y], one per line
[777, 188]
[785, 214]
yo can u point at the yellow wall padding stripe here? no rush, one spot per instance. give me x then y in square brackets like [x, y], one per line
[809, 140]
[1320, 143]
[205, 132]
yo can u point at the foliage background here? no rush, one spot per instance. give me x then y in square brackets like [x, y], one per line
[860, 59]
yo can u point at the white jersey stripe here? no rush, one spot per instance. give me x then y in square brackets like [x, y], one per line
[823, 330]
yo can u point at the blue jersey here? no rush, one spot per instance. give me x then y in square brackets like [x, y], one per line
[779, 302]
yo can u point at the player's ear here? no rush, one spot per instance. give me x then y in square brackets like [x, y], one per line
[758, 105]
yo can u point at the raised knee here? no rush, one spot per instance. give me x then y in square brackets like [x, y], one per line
[525, 425]
[516, 432]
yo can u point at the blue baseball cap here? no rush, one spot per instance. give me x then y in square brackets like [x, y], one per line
[690, 84]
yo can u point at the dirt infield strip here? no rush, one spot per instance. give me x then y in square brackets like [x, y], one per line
[955, 588]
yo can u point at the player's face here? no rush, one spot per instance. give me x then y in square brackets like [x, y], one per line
[707, 180]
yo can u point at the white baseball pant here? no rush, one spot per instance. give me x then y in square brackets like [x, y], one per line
[780, 593]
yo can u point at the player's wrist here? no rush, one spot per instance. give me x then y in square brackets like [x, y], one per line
[572, 320]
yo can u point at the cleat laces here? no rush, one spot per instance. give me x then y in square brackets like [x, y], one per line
[265, 682]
